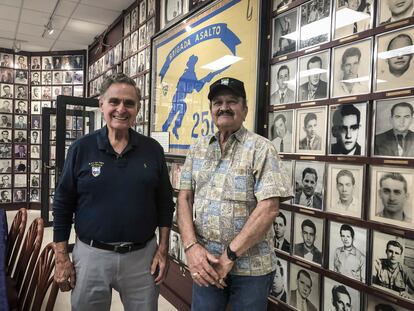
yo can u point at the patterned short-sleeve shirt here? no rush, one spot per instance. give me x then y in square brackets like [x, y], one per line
[226, 190]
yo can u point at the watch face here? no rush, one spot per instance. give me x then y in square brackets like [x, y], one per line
[232, 255]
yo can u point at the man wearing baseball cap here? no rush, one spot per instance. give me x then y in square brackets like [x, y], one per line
[234, 182]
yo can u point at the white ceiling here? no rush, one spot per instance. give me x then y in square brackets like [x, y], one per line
[76, 22]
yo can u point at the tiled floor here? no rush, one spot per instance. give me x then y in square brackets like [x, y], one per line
[63, 299]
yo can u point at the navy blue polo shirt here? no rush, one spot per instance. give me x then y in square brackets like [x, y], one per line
[115, 197]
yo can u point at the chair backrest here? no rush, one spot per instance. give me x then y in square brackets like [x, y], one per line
[28, 255]
[41, 281]
[14, 239]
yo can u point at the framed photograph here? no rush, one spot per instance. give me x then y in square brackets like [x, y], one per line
[67, 77]
[391, 199]
[76, 62]
[6, 106]
[348, 250]
[20, 180]
[282, 227]
[151, 7]
[281, 128]
[133, 65]
[171, 10]
[35, 107]
[35, 151]
[392, 11]
[374, 303]
[46, 77]
[141, 61]
[393, 129]
[20, 166]
[35, 137]
[345, 189]
[34, 181]
[77, 77]
[309, 184]
[351, 69]
[352, 16]
[125, 67]
[20, 77]
[5, 136]
[5, 166]
[35, 166]
[46, 93]
[393, 264]
[134, 19]
[304, 285]
[176, 175]
[142, 36]
[57, 77]
[56, 91]
[147, 84]
[35, 63]
[348, 129]
[57, 62]
[127, 23]
[315, 23]
[5, 120]
[142, 11]
[5, 181]
[280, 281]
[134, 42]
[20, 106]
[34, 195]
[5, 150]
[36, 122]
[278, 4]
[337, 296]
[20, 122]
[21, 91]
[175, 245]
[394, 68]
[283, 83]
[308, 238]
[147, 58]
[6, 60]
[313, 76]
[67, 90]
[35, 78]
[127, 47]
[311, 130]
[20, 136]
[6, 75]
[150, 29]
[6, 90]
[285, 33]
[20, 151]
[5, 196]
[78, 91]
[19, 195]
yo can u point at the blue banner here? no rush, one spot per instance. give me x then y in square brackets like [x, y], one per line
[215, 31]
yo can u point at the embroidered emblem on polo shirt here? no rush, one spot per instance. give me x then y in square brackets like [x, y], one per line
[96, 168]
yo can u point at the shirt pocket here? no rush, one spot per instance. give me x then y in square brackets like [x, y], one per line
[239, 185]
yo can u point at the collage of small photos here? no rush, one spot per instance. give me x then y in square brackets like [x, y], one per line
[341, 115]
[29, 83]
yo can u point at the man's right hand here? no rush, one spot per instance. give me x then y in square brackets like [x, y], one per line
[200, 264]
[65, 275]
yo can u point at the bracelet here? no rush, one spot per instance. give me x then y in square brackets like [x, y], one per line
[186, 248]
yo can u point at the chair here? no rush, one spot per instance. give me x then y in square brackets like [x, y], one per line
[41, 281]
[14, 239]
[22, 274]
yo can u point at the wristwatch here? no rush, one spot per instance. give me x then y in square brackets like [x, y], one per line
[231, 255]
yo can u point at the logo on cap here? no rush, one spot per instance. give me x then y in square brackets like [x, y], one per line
[224, 81]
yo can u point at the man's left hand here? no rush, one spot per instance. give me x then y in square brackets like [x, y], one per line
[223, 267]
[160, 263]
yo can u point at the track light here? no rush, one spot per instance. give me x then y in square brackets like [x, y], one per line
[49, 28]
[17, 46]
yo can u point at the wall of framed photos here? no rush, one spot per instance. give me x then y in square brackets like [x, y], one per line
[29, 82]
[340, 114]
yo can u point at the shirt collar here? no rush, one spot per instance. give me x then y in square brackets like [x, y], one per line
[352, 251]
[239, 135]
[104, 144]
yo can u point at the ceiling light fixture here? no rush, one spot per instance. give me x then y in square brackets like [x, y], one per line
[17, 46]
[49, 29]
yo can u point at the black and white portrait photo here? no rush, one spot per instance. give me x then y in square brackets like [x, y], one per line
[283, 83]
[127, 24]
[5, 120]
[20, 77]
[19, 195]
[134, 41]
[282, 226]
[313, 76]
[20, 166]
[20, 180]
[35, 151]
[6, 90]
[35, 63]
[393, 264]
[141, 61]
[338, 297]
[394, 65]
[352, 16]
[280, 281]
[142, 36]
[344, 189]
[127, 47]
[309, 184]
[351, 69]
[285, 33]
[347, 125]
[47, 63]
[6, 106]
[5, 181]
[36, 92]
[46, 77]
[172, 9]
[5, 150]
[5, 196]
[20, 106]
[392, 195]
[35, 107]
[150, 29]
[304, 288]
[5, 166]
[6, 60]
[277, 4]
[311, 130]
[133, 65]
[20, 62]
[6, 75]
[21, 91]
[374, 303]
[57, 62]
[20, 136]
[20, 122]
[390, 11]
[394, 128]
[76, 61]
[347, 250]
[142, 11]
[5, 136]
[34, 195]
[175, 245]
[281, 126]
[308, 238]
[315, 23]
[134, 19]
[35, 80]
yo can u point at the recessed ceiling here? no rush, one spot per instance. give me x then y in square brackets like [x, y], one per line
[76, 22]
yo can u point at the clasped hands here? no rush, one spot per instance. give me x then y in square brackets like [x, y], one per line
[207, 269]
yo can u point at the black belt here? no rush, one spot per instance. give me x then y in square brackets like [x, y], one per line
[122, 248]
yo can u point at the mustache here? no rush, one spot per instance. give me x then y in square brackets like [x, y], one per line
[226, 112]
